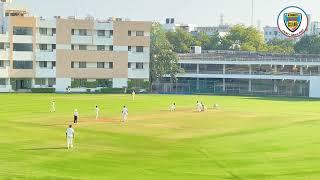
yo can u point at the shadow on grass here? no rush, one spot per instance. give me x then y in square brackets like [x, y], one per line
[45, 148]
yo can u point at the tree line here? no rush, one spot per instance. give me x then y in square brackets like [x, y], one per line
[166, 45]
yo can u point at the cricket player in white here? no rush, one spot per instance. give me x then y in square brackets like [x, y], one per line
[133, 95]
[125, 113]
[70, 136]
[53, 106]
[173, 107]
[199, 106]
[97, 112]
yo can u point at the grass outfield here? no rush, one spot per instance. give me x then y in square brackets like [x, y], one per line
[248, 138]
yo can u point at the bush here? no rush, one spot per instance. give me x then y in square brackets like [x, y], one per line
[43, 90]
[112, 90]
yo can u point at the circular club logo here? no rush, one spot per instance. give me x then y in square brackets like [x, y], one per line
[293, 21]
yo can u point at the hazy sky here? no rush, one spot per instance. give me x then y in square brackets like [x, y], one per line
[200, 12]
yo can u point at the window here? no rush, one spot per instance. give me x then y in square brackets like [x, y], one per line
[139, 65]
[72, 47]
[82, 47]
[111, 32]
[110, 65]
[100, 64]
[43, 64]
[22, 47]
[101, 33]
[129, 65]
[54, 46]
[139, 48]
[110, 48]
[2, 46]
[53, 64]
[129, 48]
[101, 48]
[1, 63]
[54, 31]
[82, 65]
[22, 31]
[72, 31]
[51, 82]
[43, 31]
[140, 33]
[40, 81]
[72, 64]
[83, 32]
[43, 47]
[2, 82]
[22, 64]
[129, 33]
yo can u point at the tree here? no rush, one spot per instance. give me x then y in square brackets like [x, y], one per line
[247, 38]
[308, 45]
[182, 41]
[163, 60]
[281, 46]
[209, 42]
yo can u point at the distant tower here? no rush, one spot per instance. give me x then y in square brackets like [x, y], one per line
[221, 19]
[259, 25]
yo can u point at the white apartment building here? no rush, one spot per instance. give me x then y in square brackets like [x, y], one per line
[68, 52]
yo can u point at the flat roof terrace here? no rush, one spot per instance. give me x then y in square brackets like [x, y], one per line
[249, 56]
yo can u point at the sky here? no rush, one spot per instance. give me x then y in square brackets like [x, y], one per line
[200, 12]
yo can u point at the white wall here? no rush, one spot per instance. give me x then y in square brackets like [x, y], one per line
[62, 84]
[120, 82]
[314, 90]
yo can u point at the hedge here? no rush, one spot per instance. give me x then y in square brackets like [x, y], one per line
[43, 90]
[112, 90]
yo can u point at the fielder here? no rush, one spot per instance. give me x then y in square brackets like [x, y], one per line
[75, 116]
[53, 106]
[125, 113]
[216, 106]
[133, 95]
[97, 112]
[203, 107]
[173, 107]
[70, 137]
[199, 106]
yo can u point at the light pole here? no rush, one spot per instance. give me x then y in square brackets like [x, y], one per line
[252, 12]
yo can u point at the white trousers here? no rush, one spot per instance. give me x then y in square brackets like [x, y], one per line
[124, 117]
[70, 142]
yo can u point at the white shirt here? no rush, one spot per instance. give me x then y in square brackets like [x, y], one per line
[125, 111]
[97, 110]
[70, 132]
[76, 113]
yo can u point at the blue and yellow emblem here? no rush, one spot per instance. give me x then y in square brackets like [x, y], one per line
[292, 20]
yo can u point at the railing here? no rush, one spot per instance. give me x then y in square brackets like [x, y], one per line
[247, 56]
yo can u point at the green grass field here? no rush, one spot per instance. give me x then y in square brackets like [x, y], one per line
[248, 138]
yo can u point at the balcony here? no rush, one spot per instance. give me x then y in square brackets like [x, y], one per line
[138, 57]
[77, 39]
[45, 73]
[23, 55]
[45, 55]
[22, 39]
[4, 38]
[138, 73]
[41, 39]
[5, 54]
[4, 72]
[103, 40]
